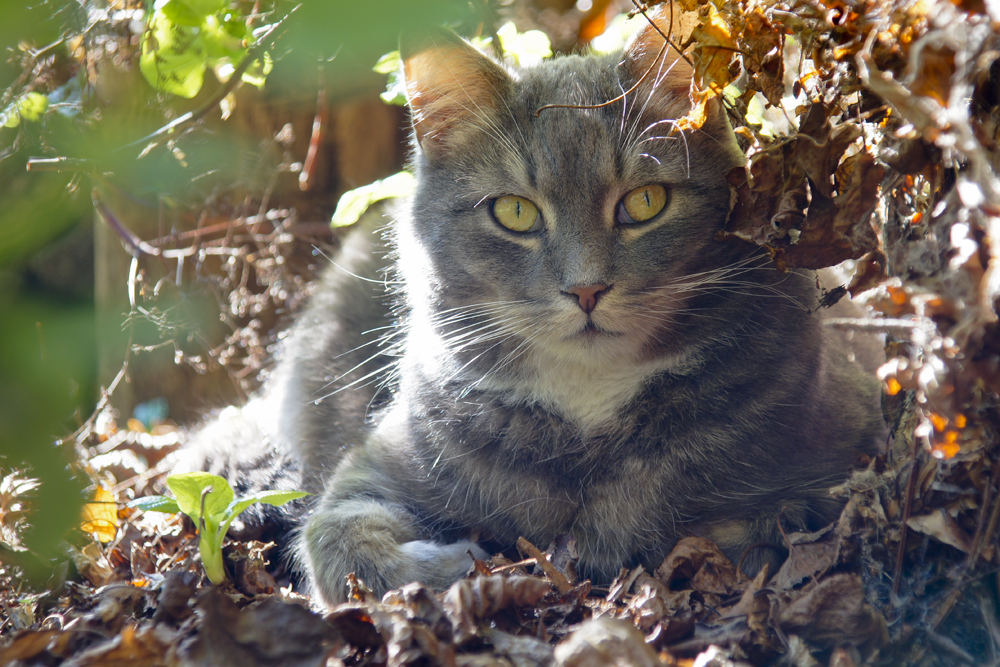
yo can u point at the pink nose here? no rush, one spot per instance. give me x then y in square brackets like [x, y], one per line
[586, 295]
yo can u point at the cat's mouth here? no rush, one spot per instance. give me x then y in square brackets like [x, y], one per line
[592, 330]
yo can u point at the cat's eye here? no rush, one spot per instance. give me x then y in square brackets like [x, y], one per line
[517, 214]
[642, 204]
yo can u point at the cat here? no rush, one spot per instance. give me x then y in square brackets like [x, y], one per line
[569, 348]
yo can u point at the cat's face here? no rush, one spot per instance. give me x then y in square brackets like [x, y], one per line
[575, 232]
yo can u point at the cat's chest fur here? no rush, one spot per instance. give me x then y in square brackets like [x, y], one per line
[590, 396]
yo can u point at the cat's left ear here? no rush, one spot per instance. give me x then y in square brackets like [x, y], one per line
[664, 76]
[452, 90]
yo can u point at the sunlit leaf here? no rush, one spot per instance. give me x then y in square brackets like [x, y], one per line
[257, 73]
[173, 58]
[32, 106]
[205, 7]
[276, 498]
[714, 49]
[354, 203]
[388, 63]
[527, 48]
[179, 13]
[101, 516]
[219, 42]
[395, 88]
[619, 30]
[156, 504]
[188, 487]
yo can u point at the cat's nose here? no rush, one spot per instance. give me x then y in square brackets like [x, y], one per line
[586, 295]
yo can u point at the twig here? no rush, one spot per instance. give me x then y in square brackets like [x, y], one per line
[907, 503]
[879, 324]
[319, 123]
[984, 528]
[37, 164]
[137, 245]
[555, 576]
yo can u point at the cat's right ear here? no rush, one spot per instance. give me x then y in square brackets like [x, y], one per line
[452, 89]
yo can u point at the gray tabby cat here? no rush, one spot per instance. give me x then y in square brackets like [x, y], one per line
[576, 353]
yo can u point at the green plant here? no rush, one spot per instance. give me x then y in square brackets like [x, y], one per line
[187, 37]
[210, 502]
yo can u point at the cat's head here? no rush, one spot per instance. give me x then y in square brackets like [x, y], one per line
[573, 232]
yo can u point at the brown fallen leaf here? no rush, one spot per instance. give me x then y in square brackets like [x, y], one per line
[176, 591]
[810, 555]
[470, 601]
[942, 528]
[835, 612]
[654, 601]
[273, 634]
[419, 603]
[754, 604]
[605, 642]
[151, 646]
[523, 651]
[700, 561]
[31, 643]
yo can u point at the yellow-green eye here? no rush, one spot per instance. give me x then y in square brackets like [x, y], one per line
[642, 204]
[516, 213]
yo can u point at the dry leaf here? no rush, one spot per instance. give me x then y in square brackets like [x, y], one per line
[700, 561]
[100, 517]
[470, 601]
[606, 642]
[942, 528]
[834, 612]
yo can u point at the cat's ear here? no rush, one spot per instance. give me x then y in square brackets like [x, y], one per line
[663, 75]
[452, 89]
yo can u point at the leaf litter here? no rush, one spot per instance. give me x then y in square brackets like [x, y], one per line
[871, 129]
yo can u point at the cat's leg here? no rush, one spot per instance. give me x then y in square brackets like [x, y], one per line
[380, 543]
[356, 529]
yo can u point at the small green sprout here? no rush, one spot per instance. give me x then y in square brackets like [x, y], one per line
[212, 505]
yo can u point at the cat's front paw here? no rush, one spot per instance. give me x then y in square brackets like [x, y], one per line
[375, 541]
[439, 565]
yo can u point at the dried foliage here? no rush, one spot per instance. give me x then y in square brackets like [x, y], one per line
[871, 130]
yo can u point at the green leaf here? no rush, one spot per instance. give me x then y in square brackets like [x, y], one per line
[527, 48]
[257, 73]
[219, 42]
[173, 57]
[206, 7]
[187, 487]
[179, 13]
[276, 498]
[32, 106]
[395, 89]
[156, 504]
[354, 203]
[388, 63]
[9, 116]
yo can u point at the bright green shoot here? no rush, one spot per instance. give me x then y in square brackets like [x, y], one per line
[212, 505]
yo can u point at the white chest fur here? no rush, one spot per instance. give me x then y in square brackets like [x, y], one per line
[590, 395]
